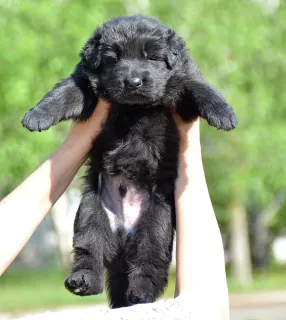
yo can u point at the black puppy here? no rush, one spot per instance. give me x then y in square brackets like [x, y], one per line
[126, 218]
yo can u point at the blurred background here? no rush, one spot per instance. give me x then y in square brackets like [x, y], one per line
[239, 46]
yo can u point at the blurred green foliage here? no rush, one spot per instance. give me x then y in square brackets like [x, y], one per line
[238, 45]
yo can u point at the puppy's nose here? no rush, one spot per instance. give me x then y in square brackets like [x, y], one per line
[133, 83]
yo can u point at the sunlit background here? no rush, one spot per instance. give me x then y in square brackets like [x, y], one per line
[239, 46]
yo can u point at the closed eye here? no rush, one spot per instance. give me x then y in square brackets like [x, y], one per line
[110, 59]
[155, 57]
[152, 56]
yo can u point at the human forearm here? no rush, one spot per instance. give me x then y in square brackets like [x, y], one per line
[35, 197]
[200, 255]
[23, 209]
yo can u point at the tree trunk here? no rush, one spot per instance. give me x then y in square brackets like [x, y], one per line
[259, 240]
[240, 250]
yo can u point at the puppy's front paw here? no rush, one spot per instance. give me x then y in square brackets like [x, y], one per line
[38, 121]
[222, 117]
[141, 290]
[83, 283]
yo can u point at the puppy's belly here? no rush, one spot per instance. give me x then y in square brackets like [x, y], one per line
[123, 202]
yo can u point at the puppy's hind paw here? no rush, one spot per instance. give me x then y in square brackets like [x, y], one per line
[140, 290]
[83, 283]
[38, 121]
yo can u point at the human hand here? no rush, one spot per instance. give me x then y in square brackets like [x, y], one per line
[88, 130]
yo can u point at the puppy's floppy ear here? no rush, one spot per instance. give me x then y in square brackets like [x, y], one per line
[91, 52]
[201, 99]
[72, 98]
[175, 45]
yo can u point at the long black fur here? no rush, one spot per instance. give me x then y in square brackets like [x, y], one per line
[139, 141]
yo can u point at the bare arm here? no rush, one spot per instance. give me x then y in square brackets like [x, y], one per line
[23, 209]
[200, 256]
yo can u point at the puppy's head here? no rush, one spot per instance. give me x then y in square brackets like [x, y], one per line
[133, 59]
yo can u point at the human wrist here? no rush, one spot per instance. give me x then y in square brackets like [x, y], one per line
[77, 146]
[190, 138]
[83, 133]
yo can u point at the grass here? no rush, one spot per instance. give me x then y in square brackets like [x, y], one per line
[37, 289]
[262, 281]
[43, 289]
